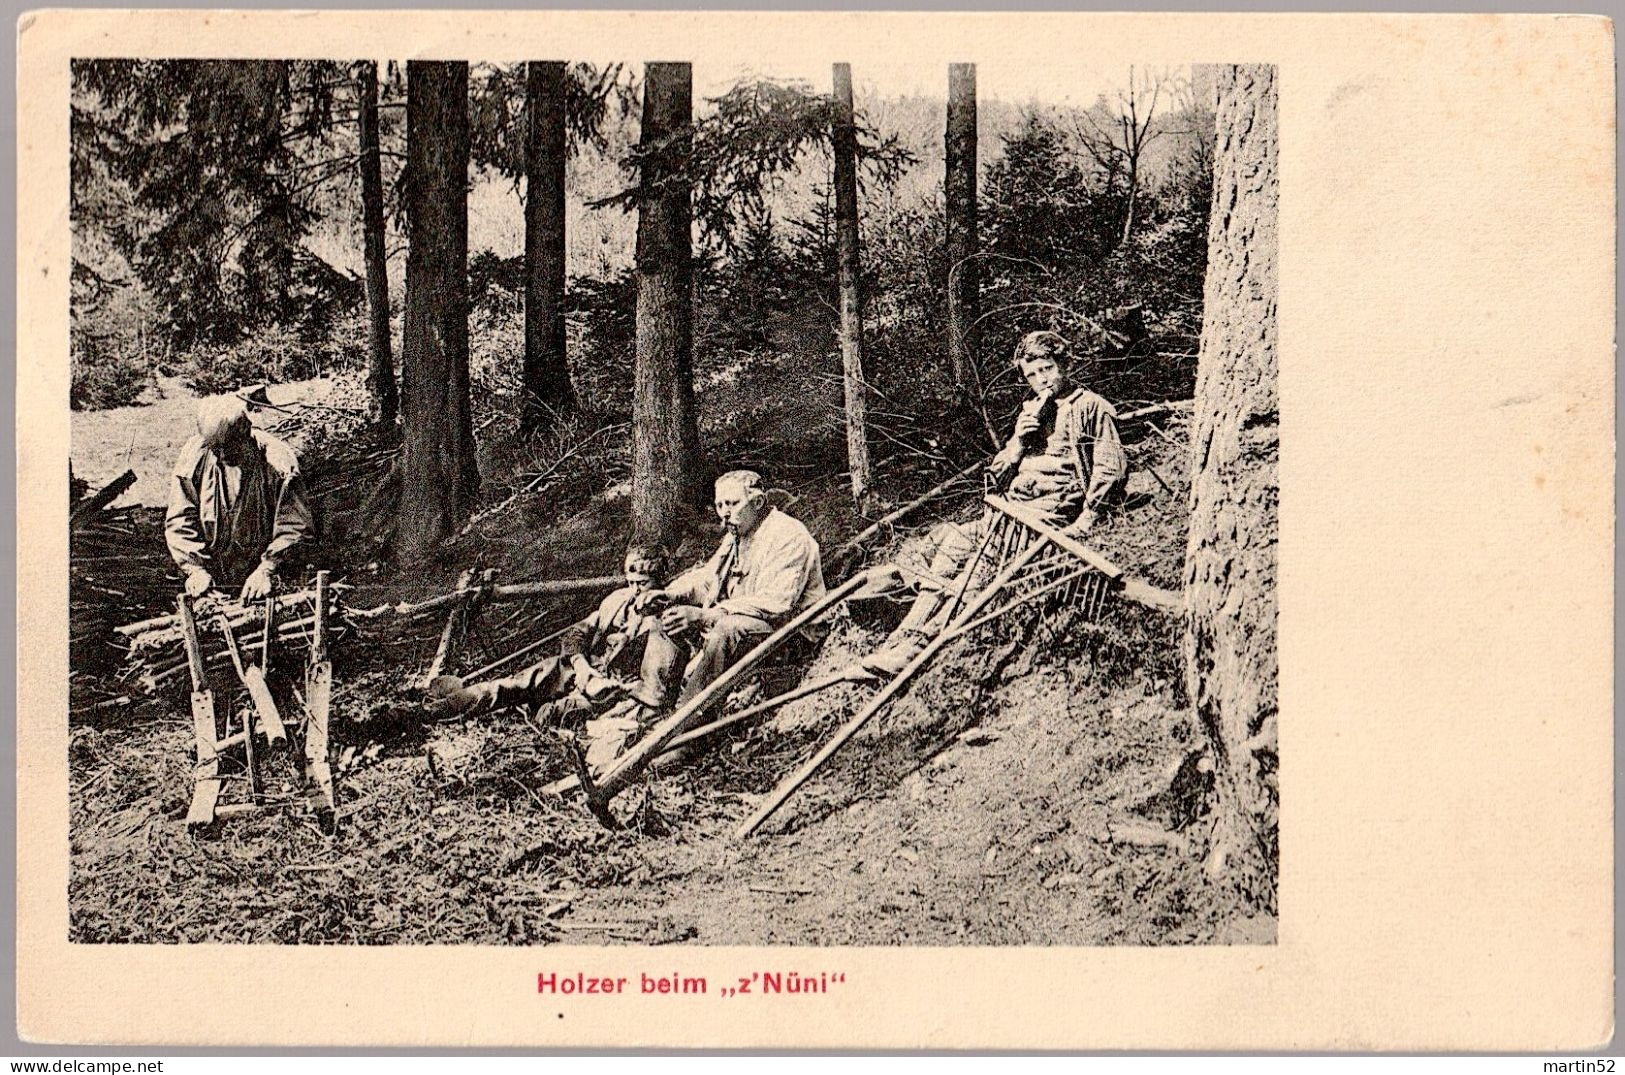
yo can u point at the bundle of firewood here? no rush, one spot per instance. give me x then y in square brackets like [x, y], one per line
[117, 569]
[156, 656]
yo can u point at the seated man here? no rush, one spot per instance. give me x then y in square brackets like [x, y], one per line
[598, 656]
[237, 507]
[766, 570]
[1063, 459]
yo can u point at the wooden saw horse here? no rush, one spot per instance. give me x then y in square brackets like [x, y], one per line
[226, 749]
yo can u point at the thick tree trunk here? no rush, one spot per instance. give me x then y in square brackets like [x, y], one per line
[383, 401]
[1230, 559]
[845, 140]
[439, 477]
[666, 455]
[547, 390]
[964, 271]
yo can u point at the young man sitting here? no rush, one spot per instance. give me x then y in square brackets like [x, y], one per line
[1063, 459]
[599, 660]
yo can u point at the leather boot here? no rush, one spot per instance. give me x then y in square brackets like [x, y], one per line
[447, 695]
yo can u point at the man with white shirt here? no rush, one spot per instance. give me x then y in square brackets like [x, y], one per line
[766, 570]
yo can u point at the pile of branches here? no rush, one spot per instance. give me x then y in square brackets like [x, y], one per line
[156, 651]
[116, 569]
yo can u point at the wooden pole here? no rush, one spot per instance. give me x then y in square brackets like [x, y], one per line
[570, 783]
[789, 785]
[501, 592]
[907, 509]
[633, 762]
[480, 673]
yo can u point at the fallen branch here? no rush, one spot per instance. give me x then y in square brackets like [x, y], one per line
[90, 507]
[1156, 409]
[495, 593]
[893, 517]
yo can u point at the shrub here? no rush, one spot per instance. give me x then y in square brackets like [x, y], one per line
[103, 375]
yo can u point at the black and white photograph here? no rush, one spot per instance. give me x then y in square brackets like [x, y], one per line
[815, 530]
[613, 501]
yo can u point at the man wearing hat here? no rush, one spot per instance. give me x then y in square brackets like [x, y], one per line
[237, 507]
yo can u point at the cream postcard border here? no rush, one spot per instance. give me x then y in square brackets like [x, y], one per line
[1446, 571]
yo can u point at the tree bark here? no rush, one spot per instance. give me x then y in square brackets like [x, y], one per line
[845, 142]
[1230, 571]
[964, 271]
[439, 476]
[547, 390]
[383, 401]
[666, 454]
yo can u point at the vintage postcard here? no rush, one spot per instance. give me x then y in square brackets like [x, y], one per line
[811, 530]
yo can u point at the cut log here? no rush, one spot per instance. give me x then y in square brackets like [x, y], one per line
[90, 507]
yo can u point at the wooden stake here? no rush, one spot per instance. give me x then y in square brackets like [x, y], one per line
[206, 789]
[650, 746]
[450, 635]
[318, 698]
[788, 786]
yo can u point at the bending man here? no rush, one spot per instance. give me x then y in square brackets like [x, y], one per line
[766, 570]
[1064, 459]
[237, 507]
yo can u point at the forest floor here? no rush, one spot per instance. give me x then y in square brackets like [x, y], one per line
[1003, 800]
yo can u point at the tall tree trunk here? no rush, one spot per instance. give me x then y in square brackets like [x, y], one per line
[547, 390]
[665, 436]
[964, 271]
[1230, 572]
[845, 141]
[438, 473]
[383, 401]
[1133, 195]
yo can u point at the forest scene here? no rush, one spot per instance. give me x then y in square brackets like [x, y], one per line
[516, 321]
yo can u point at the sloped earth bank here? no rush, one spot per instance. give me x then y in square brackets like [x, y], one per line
[996, 803]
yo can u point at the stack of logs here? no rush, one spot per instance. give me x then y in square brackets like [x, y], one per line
[157, 649]
[117, 568]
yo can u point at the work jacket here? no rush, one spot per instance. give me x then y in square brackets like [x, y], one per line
[605, 635]
[1078, 463]
[230, 520]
